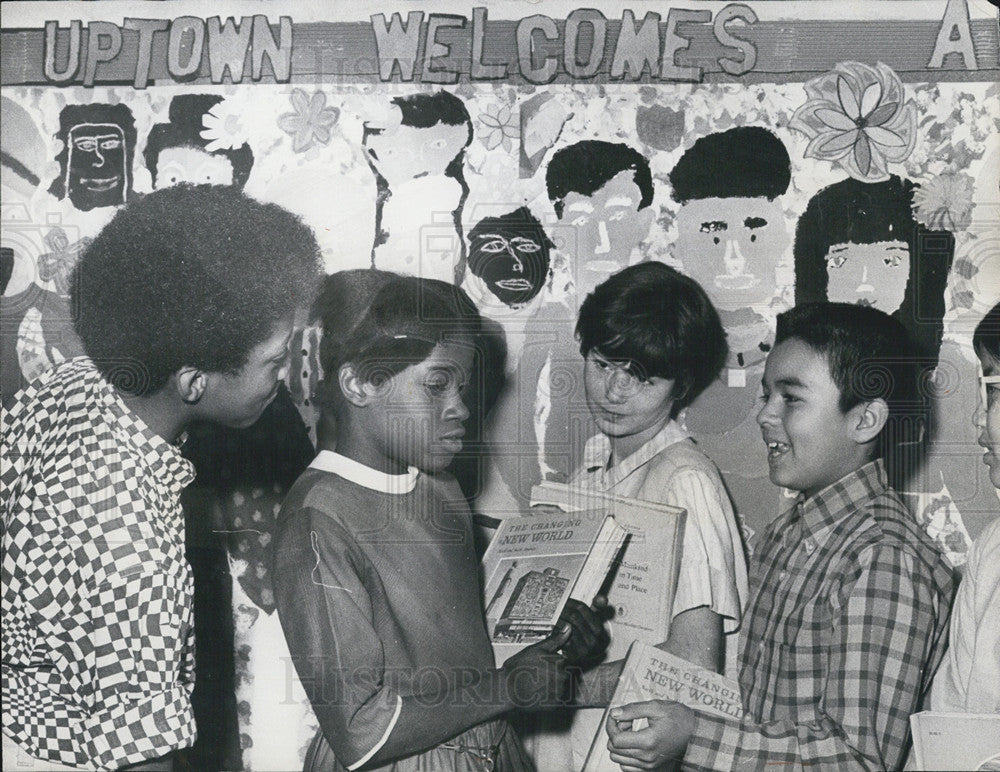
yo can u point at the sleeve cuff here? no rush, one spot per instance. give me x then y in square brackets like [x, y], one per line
[385, 736]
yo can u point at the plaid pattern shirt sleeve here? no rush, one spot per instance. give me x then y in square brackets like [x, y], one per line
[879, 646]
[848, 627]
[98, 657]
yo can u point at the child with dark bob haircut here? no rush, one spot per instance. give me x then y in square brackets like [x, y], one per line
[849, 597]
[656, 322]
[376, 577]
[652, 342]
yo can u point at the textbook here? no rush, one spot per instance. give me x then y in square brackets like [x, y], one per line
[535, 563]
[641, 589]
[652, 674]
[969, 741]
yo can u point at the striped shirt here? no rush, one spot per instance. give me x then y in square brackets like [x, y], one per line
[98, 644]
[846, 626]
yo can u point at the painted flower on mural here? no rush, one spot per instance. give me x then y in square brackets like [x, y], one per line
[311, 120]
[223, 127]
[57, 264]
[858, 116]
[499, 127]
[945, 202]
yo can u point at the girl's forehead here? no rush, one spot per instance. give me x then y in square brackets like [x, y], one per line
[456, 352]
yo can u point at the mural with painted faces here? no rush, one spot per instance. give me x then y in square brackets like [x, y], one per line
[868, 274]
[510, 254]
[731, 229]
[96, 160]
[426, 136]
[176, 152]
[731, 245]
[603, 190]
[858, 242]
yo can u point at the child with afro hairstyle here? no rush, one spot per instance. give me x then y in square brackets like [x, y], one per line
[185, 304]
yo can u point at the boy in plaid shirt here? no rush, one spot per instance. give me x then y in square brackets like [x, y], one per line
[849, 598]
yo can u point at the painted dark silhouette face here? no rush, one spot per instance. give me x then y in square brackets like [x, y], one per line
[513, 263]
[868, 274]
[731, 246]
[96, 172]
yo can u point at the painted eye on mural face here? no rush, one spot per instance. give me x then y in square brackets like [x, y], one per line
[836, 261]
[86, 144]
[715, 239]
[438, 144]
[493, 245]
[111, 143]
[892, 261]
[619, 215]
[579, 221]
[525, 245]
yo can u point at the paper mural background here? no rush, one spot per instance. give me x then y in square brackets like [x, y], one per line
[102, 101]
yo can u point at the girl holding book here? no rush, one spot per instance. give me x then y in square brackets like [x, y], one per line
[376, 578]
[652, 342]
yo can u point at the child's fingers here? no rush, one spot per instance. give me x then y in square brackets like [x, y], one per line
[586, 623]
[556, 639]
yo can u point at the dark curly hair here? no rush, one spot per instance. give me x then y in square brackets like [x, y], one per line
[189, 276]
[661, 323]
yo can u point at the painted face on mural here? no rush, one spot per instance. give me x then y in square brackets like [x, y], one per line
[606, 227]
[176, 165]
[95, 170]
[513, 263]
[404, 153]
[731, 246]
[868, 274]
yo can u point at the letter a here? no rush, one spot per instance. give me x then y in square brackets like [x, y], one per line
[956, 19]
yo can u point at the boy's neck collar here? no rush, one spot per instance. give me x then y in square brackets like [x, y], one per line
[360, 474]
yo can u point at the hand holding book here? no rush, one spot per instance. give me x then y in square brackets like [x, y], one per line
[536, 677]
[589, 638]
[666, 728]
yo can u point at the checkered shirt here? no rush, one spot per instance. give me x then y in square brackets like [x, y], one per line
[98, 643]
[846, 626]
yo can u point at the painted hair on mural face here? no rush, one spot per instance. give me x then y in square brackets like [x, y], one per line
[858, 242]
[95, 163]
[731, 227]
[176, 152]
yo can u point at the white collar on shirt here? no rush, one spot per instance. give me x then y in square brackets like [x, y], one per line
[598, 451]
[365, 476]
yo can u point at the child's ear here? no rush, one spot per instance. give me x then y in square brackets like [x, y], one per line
[191, 384]
[355, 389]
[871, 417]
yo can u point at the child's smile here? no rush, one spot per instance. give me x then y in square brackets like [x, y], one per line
[810, 441]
